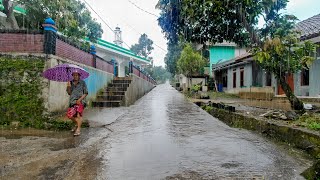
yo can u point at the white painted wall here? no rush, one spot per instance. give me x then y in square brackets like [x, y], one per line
[239, 51]
[54, 93]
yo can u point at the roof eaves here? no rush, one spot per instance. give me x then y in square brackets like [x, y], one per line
[124, 53]
[121, 49]
[16, 9]
[236, 60]
[309, 28]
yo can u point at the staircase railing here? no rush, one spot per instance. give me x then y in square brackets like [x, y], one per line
[142, 74]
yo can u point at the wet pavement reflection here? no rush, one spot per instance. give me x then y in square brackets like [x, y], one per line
[164, 136]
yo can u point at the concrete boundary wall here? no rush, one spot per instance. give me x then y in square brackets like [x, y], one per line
[21, 42]
[306, 140]
[55, 95]
[137, 88]
[56, 99]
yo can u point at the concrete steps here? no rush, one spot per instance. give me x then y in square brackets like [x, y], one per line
[106, 103]
[111, 93]
[110, 98]
[114, 94]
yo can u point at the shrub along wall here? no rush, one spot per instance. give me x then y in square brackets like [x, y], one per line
[20, 91]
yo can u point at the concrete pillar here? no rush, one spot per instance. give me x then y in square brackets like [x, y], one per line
[50, 36]
[121, 68]
[94, 56]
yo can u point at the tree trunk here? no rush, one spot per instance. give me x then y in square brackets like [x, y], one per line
[11, 19]
[254, 37]
[296, 104]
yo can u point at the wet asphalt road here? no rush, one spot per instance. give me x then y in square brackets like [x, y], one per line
[161, 136]
[164, 136]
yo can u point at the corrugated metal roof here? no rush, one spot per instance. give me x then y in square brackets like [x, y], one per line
[310, 27]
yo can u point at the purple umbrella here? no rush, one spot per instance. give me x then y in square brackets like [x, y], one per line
[63, 72]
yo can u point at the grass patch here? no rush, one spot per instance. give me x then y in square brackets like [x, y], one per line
[192, 94]
[207, 108]
[310, 121]
[53, 124]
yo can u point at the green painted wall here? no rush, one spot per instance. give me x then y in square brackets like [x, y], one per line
[222, 53]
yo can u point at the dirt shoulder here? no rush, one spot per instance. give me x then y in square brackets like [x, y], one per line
[41, 154]
[256, 108]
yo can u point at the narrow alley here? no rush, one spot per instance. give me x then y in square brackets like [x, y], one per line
[164, 135]
[161, 136]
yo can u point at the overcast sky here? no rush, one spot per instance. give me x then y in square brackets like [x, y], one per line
[134, 21]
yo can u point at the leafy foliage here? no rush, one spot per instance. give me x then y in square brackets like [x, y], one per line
[21, 99]
[21, 86]
[158, 73]
[285, 55]
[72, 17]
[282, 53]
[190, 61]
[171, 58]
[213, 21]
[278, 48]
[144, 46]
[196, 88]
[311, 121]
[216, 21]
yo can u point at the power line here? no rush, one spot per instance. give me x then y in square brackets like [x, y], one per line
[98, 15]
[126, 23]
[143, 9]
[141, 34]
[103, 20]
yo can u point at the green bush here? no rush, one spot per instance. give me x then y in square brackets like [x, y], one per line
[311, 121]
[196, 87]
[21, 89]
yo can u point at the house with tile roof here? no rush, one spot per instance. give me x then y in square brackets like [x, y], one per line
[306, 82]
[243, 74]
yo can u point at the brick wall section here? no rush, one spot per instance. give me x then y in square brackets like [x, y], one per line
[103, 65]
[136, 71]
[14, 42]
[68, 51]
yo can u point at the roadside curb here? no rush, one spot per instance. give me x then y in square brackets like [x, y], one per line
[307, 141]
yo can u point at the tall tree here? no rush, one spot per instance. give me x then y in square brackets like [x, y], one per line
[72, 17]
[158, 73]
[215, 21]
[172, 56]
[236, 20]
[10, 20]
[144, 46]
[190, 61]
[283, 54]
